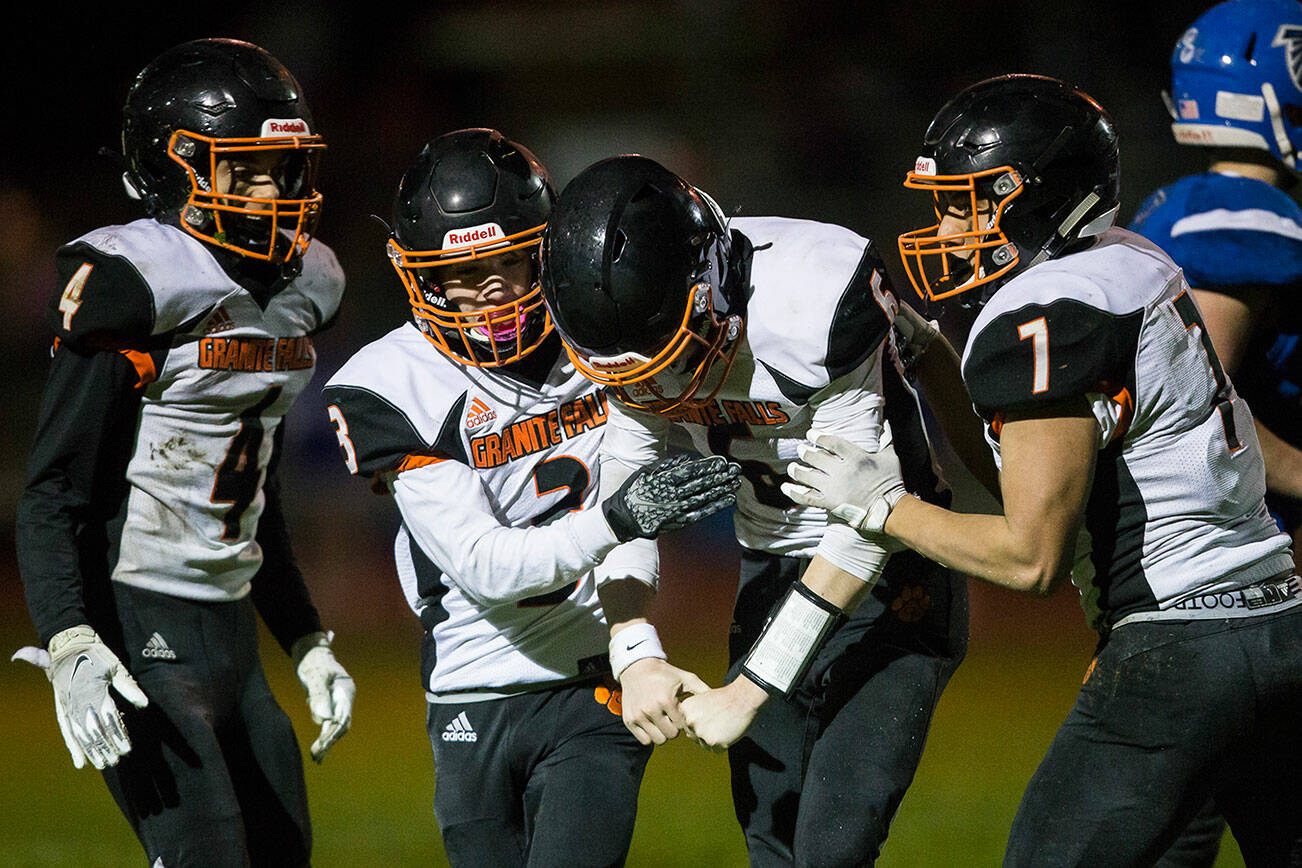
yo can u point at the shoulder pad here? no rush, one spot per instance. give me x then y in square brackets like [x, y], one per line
[1042, 353]
[102, 301]
[1226, 232]
[820, 302]
[322, 282]
[391, 405]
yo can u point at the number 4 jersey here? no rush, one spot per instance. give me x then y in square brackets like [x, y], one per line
[160, 421]
[1176, 522]
[495, 474]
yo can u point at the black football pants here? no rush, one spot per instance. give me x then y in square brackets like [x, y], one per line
[1173, 713]
[214, 777]
[547, 778]
[817, 779]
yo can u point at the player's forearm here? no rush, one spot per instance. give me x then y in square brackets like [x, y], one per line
[1283, 463]
[76, 477]
[503, 564]
[625, 602]
[939, 373]
[985, 546]
[278, 589]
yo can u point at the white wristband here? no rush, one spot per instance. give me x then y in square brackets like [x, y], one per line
[633, 643]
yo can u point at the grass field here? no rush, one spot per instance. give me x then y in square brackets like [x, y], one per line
[371, 801]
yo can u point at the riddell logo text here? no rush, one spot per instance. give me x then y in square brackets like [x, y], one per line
[284, 127]
[470, 236]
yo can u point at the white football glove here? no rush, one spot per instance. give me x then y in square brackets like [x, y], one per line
[330, 689]
[855, 486]
[82, 668]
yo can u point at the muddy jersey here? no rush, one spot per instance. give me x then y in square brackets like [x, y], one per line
[217, 373]
[1176, 520]
[817, 317]
[495, 477]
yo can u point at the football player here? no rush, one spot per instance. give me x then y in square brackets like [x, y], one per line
[734, 338]
[150, 528]
[487, 438]
[1109, 412]
[1237, 232]
[1235, 229]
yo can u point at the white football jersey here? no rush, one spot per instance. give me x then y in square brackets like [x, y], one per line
[213, 397]
[495, 478]
[1176, 522]
[816, 320]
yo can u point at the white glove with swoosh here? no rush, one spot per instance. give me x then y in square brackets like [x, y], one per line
[82, 668]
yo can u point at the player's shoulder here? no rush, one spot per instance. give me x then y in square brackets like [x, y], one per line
[397, 397]
[1065, 327]
[817, 307]
[1226, 230]
[321, 280]
[127, 283]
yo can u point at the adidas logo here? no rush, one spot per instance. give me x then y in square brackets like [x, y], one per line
[460, 730]
[218, 321]
[157, 648]
[480, 414]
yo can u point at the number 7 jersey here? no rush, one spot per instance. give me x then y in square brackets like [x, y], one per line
[1176, 521]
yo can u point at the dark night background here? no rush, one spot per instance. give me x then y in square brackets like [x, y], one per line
[806, 110]
[800, 109]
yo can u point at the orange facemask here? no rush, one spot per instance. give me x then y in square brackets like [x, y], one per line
[984, 252]
[711, 349]
[487, 338]
[297, 217]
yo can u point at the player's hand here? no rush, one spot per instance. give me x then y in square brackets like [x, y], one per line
[82, 668]
[671, 493]
[652, 689]
[854, 485]
[329, 687]
[717, 718]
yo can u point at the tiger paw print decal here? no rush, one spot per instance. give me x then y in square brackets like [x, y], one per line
[611, 697]
[911, 604]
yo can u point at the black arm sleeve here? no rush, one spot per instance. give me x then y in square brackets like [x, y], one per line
[278, 589]
[76, 487]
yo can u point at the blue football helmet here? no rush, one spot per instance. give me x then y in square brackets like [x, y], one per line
[1236, 78]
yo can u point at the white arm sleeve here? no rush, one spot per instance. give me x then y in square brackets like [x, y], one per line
[447, 511]
[632, 439]
[851, 406]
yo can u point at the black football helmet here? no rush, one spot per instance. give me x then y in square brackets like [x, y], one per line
[211, 100]
[471, 194]
[1042, 158]
[636, 268]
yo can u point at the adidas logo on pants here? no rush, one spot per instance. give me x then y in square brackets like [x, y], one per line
[460, 730]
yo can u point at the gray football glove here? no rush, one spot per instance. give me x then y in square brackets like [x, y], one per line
[82, 668]
[669, 494]
[854, 485]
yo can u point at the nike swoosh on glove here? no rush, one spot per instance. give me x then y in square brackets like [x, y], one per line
[82, 669]
[671, 493]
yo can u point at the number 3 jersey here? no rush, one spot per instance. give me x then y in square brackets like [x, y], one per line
[161, 417]
[494, 474]
[1176, 522]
